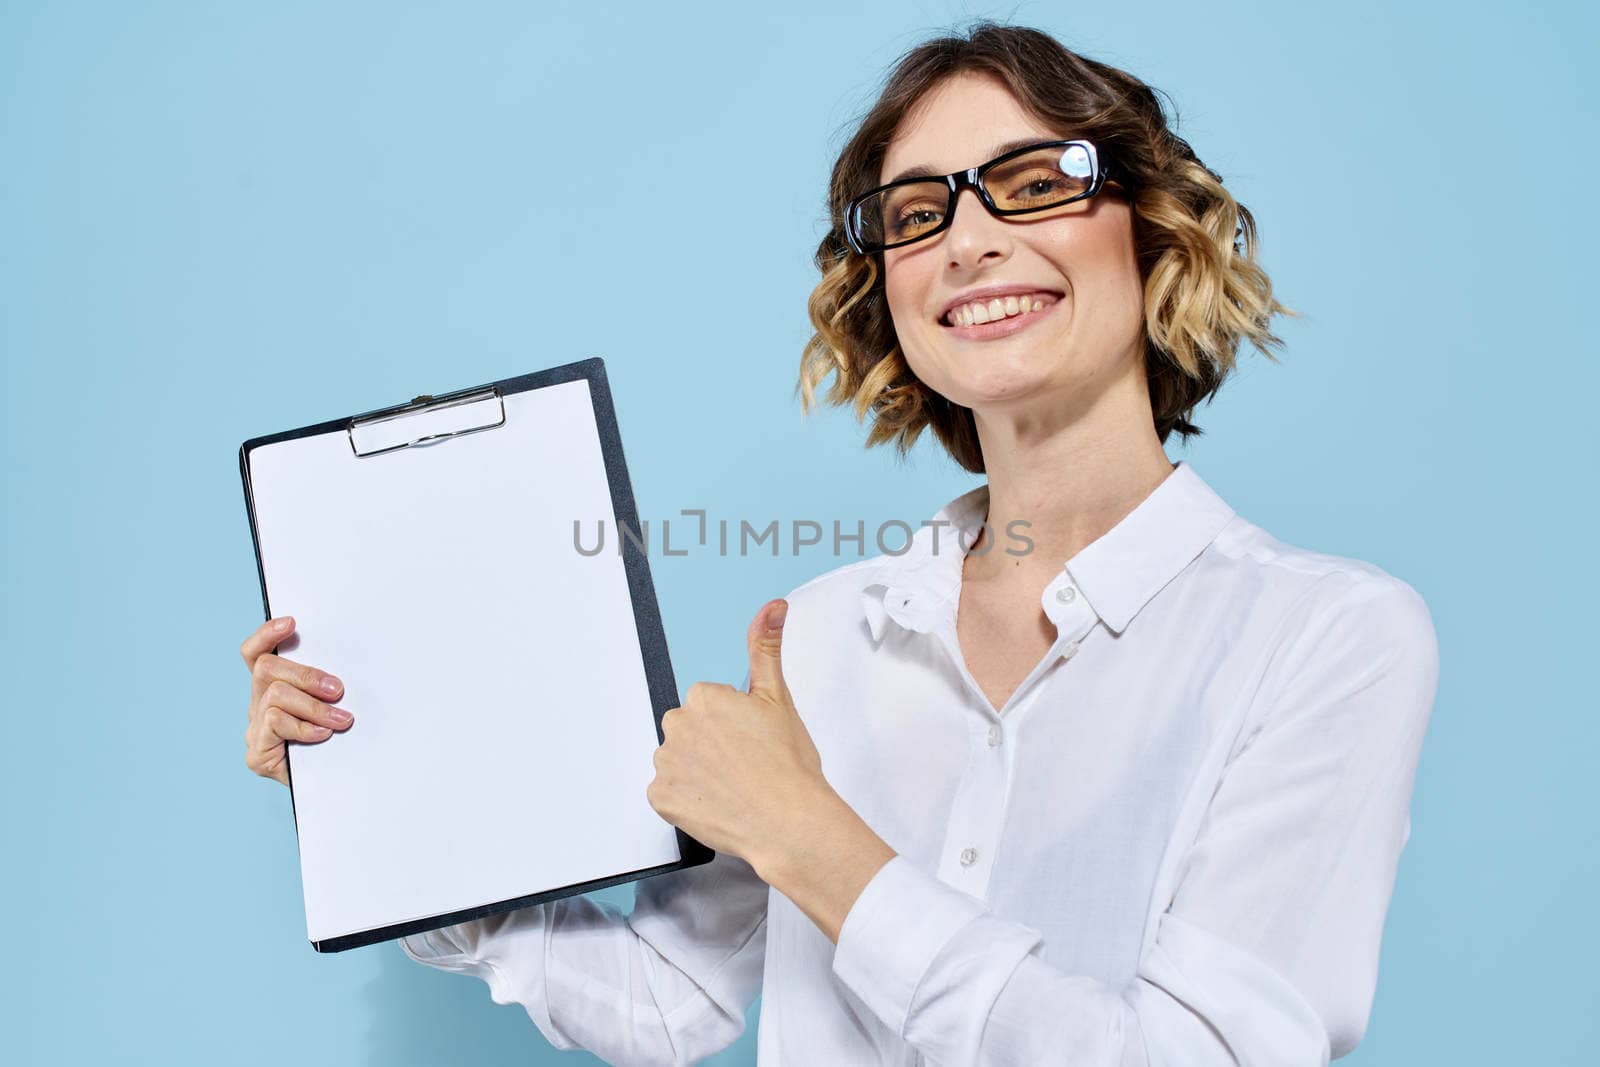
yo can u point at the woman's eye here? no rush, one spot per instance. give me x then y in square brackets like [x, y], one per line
[916, 220]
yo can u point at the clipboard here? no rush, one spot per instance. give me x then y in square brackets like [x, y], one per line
[507, 677]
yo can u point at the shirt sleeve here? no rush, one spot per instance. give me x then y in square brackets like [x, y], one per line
[1268, 950]
[668, 984]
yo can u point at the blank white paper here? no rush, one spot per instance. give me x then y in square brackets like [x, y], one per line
[503, 732]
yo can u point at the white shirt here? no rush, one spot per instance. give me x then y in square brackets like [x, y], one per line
[1175, 844]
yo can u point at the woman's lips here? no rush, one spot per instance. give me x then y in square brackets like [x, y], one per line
[988, 331]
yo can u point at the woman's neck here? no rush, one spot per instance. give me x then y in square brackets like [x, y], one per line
[1070, 481]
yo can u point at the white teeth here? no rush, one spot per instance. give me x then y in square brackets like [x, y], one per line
[994, 310]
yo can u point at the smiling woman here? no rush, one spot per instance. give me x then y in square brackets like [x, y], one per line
[1176, 249]
[1134, 795]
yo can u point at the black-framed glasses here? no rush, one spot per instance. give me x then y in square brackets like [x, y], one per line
[1032, 178]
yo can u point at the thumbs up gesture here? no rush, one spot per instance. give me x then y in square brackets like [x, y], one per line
[737, 770]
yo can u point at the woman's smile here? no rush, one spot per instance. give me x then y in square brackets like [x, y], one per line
[966, 328]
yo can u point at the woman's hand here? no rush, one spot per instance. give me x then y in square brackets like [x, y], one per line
[286, 701]
[738, 769]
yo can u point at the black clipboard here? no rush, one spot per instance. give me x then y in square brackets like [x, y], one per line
[489, 401]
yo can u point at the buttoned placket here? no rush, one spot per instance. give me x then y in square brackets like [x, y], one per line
[978, 811]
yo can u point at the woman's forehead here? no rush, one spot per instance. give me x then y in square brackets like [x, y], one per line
[958, 124]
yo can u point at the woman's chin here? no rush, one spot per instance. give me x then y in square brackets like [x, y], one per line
[997, 387]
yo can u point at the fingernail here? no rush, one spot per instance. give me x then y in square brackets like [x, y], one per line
[340, 716]
[330, 685]
[776, 616]
[282, 624]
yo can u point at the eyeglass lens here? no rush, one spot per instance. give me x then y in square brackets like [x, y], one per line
[1032, 181]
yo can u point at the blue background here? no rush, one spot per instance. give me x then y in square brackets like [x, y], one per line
[219, 221]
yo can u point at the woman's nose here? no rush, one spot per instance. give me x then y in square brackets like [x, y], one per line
[974, 234]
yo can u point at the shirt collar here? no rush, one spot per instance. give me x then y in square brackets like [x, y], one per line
[1118, 573]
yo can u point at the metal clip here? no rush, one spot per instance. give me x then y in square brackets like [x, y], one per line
[427, 403]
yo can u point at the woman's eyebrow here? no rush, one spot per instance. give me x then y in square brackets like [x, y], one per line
[923, 170]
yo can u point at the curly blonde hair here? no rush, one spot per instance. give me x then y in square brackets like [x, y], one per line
[1204, 292]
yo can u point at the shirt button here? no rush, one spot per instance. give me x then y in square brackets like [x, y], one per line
[969, 856]
[1070, 651]
[994, 735]
[1066, 594]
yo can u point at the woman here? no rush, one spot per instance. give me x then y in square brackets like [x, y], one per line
[1131, 789]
